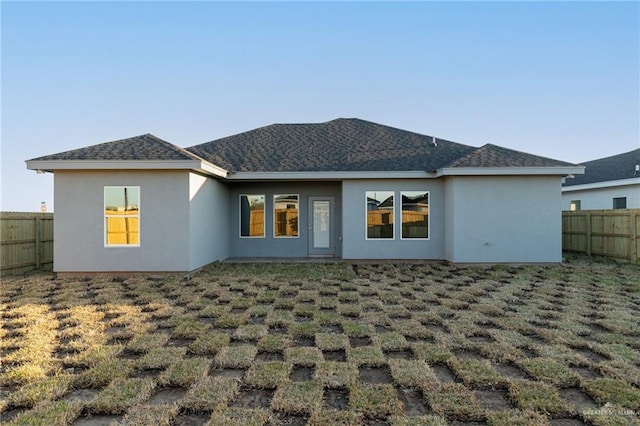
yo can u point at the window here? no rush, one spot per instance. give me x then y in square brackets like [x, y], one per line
[379, 214]
[285, 215]
[252, 216]
[122, 216]
[575, 205]
[415, 214]
[620, 203]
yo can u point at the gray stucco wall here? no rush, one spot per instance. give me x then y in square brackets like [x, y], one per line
[356, 246]
[208, 213]
[79, 222]
[504, 219]
[279, 247]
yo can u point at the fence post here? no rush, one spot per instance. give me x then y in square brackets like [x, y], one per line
[37, 237]
[588, 233]
[634, 238]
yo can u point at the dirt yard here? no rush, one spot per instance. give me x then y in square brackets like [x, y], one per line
[325, 344]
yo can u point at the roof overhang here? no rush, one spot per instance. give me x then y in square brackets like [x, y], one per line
[510, 171]
[599, 185]
[200, 166]
[319, 176]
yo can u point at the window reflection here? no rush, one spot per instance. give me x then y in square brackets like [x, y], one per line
[285, 215]
[415, 214]
[252, 215]
[122, 215]
[379, 214]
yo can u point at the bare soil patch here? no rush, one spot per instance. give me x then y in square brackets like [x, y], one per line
[97, 420]
[254, 398]
[336, 398]
[167, 396]
[413, 402]
[375, 375]
[578, 398]
[493, 399]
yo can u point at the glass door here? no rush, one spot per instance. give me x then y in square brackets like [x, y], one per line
[321, 226]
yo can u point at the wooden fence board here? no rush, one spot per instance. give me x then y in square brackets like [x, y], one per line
[26, 242]
[611, 233]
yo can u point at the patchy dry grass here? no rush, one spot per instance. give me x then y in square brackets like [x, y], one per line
[297, 397]
[324, 344]
[210, 393]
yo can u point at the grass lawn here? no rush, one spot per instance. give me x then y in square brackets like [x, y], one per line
[325, 344]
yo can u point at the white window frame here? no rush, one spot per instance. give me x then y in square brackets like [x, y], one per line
[273, 211]
[575, 205]
[105, 216]
[264, 219]
[428, 237]
[366, 216]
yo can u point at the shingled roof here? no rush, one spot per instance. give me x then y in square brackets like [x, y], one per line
[145, 147]
[616, 167]
[337, 145]
[344, 145]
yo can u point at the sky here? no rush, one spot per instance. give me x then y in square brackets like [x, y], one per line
[557, 79]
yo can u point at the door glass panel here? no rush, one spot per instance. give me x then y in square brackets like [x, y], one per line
[321, 224]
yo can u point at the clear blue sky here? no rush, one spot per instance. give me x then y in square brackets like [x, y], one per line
[558, 79]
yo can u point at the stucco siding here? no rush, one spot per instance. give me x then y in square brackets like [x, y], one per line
[449, 221]
[504, 219]
[79, 224]
[602, 198]
[354, 216]
[270, 246]
[208, 213]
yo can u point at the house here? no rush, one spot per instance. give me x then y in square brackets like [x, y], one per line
[347, 188]
[607, 183]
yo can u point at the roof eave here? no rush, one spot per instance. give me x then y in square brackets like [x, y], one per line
[604, 184]
[328, 175]
[53, 165]
[510, 171]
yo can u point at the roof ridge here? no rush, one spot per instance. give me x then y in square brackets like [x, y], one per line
[176, 147]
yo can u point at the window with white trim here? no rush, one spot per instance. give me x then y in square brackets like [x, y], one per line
[252, 216]
[575, 205]
[379, 213]
[415, 214]
[121, 216]
[286, 208]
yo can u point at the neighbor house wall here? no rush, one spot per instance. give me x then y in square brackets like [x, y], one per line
[512, 219]
[269, 246]
[601, 198]
[79, 224]
[355, 245]
[208, 227]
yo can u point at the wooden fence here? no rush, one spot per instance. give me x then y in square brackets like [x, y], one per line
[26, 242]
[610, 233]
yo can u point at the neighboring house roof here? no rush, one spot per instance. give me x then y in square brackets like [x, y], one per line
[341, 145]
[138, 148]
[616, 167]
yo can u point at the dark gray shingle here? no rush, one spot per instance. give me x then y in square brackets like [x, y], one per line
[491, 155]
[337, 145]
[143, 147]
